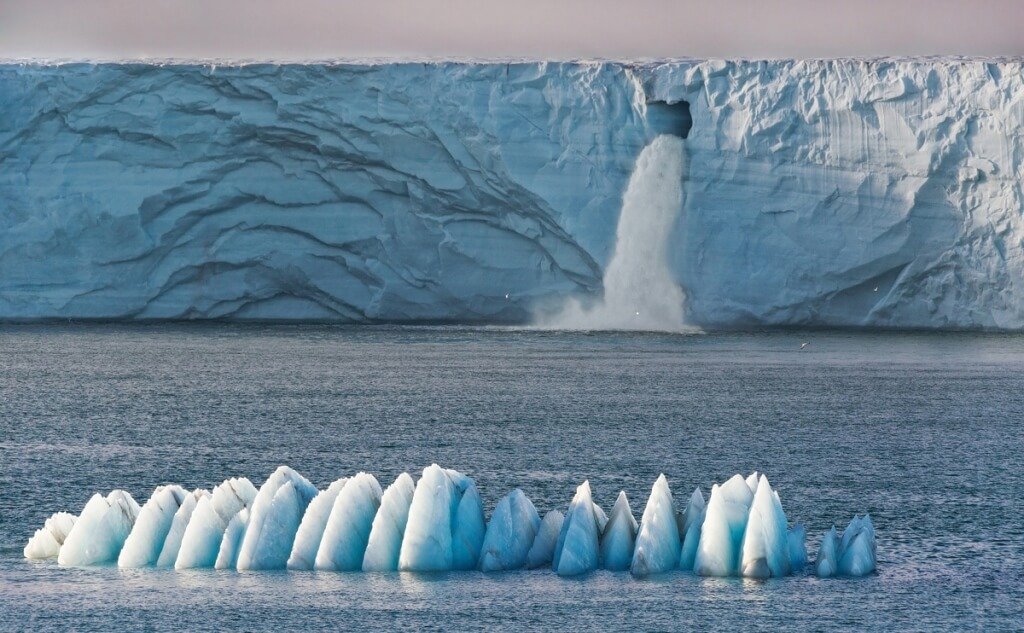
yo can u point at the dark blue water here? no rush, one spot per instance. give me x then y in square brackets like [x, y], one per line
[924, 431]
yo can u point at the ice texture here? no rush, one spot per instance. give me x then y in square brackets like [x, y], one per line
[201, 542]
[274, 518]
[143, 546]
[510, 533]
[385, 543]
[348, 526]
[311, 530]
[818, 193]
[172, 543]
[657, 543]
[100, 531]
[47, 540]
[577, 550]
[542, 552]
[618, 536]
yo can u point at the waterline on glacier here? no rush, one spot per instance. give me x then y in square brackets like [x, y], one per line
[640, 292]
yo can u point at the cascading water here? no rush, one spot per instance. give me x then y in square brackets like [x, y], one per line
[639, 290]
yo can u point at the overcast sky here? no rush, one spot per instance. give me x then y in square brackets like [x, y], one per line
[552, 29]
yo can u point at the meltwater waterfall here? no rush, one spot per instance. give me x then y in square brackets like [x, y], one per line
[639, 290]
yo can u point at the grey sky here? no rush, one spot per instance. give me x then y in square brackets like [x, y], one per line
[554, 29]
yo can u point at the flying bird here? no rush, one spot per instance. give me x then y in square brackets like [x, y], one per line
[803, 345]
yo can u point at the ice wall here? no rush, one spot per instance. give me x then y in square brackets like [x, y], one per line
[861, 193]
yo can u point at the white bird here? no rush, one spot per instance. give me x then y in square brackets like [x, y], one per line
[876, 288]
[803, 345]
[506, 295]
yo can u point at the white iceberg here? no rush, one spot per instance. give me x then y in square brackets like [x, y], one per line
[227, 554]
[619, 536]
[100, 531]
[311, 530]
[348, 527]
[385, 543]
[577, 550]
[172, 543]
[143, 546]
[274, 519]
[201, 542]
[725, 522]
[765, 550]
[510, 533]
[47, 540]
[445, 528]
[657, 542]
[542, 552]
[427, 544]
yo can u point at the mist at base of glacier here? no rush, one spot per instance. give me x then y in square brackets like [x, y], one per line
[880, 193]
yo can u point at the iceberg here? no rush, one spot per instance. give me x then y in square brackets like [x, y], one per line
[227, 553]
[47, 540]
[577, 551]
[201, 542]
[348, 526]
[510, 533]
[100, 531]
[618, 536]
[172, 543]
[311, 530]
[828, 554]
[143, 546]
[542, 552]
[469, 526]
[692, 522]
[438, 524]
[765, 550]
[445, 528]
[274, 519]
[798, 547]
[657, 543]
[427, 544]
[725, 522]
[857, 555]
[385, 543]
[854, 554]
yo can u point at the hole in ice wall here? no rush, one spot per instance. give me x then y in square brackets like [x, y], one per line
[669, 118]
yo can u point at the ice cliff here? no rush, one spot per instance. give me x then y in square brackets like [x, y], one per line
[850, 192]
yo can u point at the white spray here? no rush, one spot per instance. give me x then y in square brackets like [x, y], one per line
[639, 291]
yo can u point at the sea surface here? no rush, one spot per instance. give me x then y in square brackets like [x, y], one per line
[924, 431]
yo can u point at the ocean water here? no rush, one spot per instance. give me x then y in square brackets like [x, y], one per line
[924, 431]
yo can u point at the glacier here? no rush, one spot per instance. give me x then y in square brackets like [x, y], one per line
[437, 524]
[850, 192]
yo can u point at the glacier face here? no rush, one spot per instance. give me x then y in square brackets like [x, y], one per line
[849, 192]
